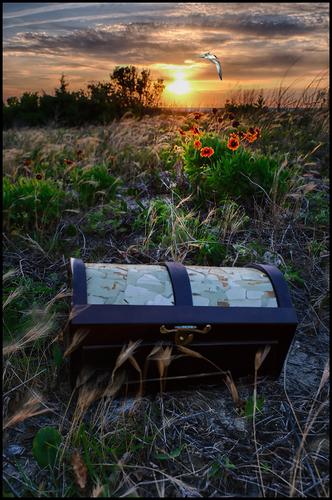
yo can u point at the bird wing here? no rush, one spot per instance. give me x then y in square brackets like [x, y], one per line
[217, 63]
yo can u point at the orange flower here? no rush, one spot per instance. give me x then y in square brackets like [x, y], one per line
[233, 142]
[258, 132]
[181, 132]
[251, 137]
[197, 144]
[207, 152]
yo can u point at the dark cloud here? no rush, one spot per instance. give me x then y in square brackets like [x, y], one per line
[135, 43]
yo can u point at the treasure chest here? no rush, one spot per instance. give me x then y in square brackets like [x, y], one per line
[209, 319]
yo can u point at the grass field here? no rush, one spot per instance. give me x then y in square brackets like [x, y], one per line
[139, 191]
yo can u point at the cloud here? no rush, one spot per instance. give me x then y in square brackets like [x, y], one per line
[133, 43]
[46, 9]
[253, 40]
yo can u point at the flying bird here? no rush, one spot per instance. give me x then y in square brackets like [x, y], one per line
[215, 60]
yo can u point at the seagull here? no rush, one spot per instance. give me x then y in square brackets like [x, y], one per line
[213, 59]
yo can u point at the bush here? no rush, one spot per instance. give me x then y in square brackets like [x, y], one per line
[101, 103]
[31, 203]
[241, 173]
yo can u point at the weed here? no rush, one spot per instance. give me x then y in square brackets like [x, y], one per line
[19, 312]
[94, 184]
[292, 275]
[108, 217]
[318, 208]
[32, 204]
[180, 231]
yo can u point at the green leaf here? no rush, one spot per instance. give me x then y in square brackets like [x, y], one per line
[265, 466]
[249, 408]
[214, 470]
[166, 456]
[57, 355]
[229, 464]
[45, 446]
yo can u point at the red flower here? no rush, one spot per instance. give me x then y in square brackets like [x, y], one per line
[181, 132]
[233, 142]
[258, 132]
[207, 152]
[197, 144]
[251, 130]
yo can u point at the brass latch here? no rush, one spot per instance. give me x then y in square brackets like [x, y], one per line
[184, 334]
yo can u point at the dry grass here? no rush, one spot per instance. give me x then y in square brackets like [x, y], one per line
[194, 442]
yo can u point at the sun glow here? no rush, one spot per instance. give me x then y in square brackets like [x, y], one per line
[179, 86]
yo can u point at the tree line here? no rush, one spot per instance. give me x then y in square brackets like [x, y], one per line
[127, 90]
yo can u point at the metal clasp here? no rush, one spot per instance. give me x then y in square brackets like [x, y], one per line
[184, 334]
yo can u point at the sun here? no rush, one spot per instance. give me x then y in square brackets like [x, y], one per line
[179, 86]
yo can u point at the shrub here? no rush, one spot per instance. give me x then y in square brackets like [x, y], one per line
[31, 203]
[239, 173]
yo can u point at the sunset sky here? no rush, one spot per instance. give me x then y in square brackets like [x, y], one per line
[257, 43]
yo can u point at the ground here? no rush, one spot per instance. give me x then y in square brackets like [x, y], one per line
[127, 192]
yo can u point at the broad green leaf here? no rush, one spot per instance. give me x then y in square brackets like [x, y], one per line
[45, 446]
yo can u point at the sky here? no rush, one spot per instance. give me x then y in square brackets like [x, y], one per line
[259, 45]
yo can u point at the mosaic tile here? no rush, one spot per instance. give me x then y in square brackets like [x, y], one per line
[150, 285]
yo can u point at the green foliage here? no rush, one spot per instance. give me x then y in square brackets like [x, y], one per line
[94, 184]
[318, 208]
[108, 217]
[219, 467]
[241, 173]
[291, 275]
[45, 446]
[181, 230]
[249, 407]
[31, 203]
[27, 294]
[172, 454]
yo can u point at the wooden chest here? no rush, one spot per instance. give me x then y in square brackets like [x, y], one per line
[225, 314]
